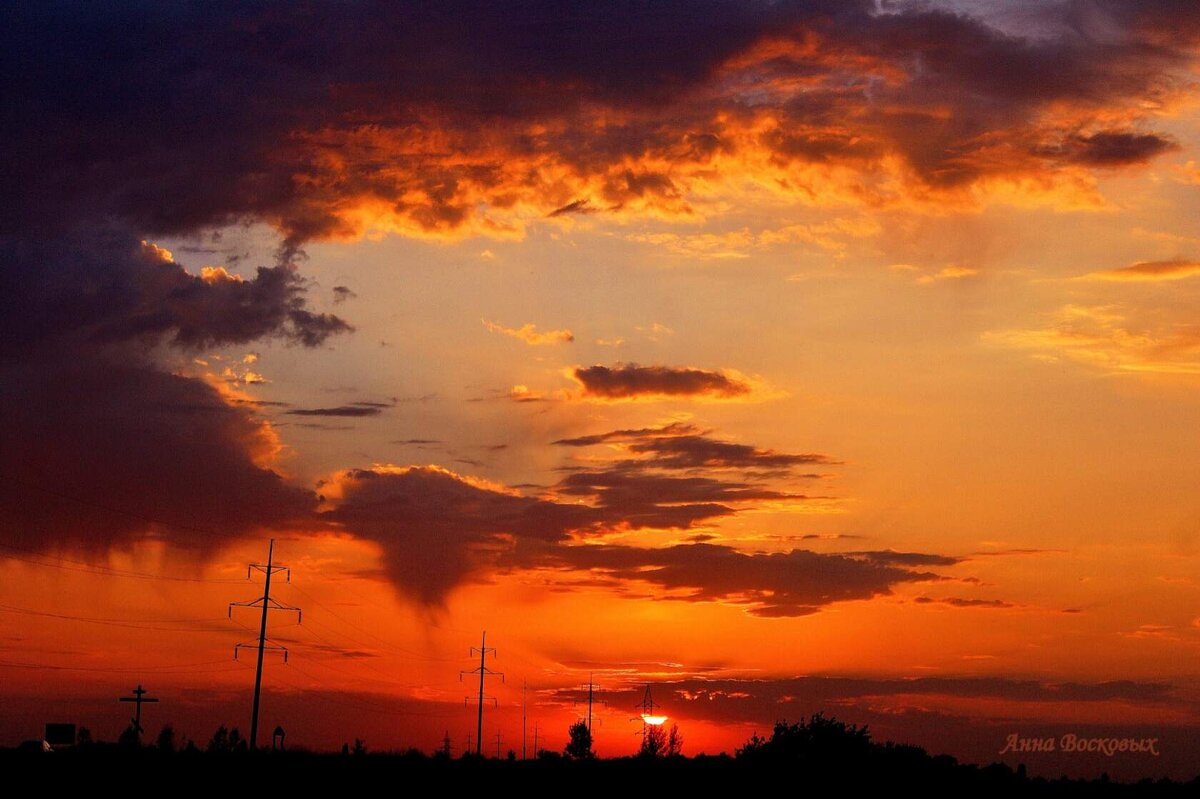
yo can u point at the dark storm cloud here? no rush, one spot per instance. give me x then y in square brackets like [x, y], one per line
[890, 557]
[625, 381]
[126, 121]
[647, 488]
[1113, 148]
[961, 602]
[634, 490]
[103, 446]
[684, 446]
[311, 329]
[438, 529]
[105, 287]
[1119, 149]
[795, 583]
[673, 429]
[177, 117]
[686, 452]
[98, 454]
[351, 411]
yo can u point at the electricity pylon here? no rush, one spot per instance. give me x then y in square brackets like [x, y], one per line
[483, 671]
[266, 603]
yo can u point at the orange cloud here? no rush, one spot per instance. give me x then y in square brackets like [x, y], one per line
[945, 273]
[522, 393]
[1188, 173]
[1146, 272]
[915, 108]
[530, 334]
[1102, 337]
[829, 236]
[218, 274]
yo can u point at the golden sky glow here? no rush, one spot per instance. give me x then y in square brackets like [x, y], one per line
[819, 357]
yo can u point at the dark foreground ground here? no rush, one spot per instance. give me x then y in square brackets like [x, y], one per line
[101, 768]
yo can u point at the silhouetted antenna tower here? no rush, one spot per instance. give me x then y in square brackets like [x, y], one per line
[139, 697]
[446, 750]
[483, 671]
[266, 603]
[647, 716]
[497, 744]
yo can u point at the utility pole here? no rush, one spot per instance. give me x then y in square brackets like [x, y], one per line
[497, 744]
[591, 700]
[139, 696]
[446, 745]
[535, 739]
[266, 603]
[591, 686]
[468, 749]
[483, 671]
[524, 717]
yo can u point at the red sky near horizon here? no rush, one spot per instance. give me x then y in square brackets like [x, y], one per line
[790, 358]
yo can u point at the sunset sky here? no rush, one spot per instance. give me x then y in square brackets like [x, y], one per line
[789, 357]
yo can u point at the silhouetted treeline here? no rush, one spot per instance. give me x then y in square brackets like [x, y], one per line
[816, 754]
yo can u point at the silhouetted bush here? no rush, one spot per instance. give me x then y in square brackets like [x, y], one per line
[820, 739]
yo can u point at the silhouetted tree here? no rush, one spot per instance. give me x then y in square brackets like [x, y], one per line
[236, 742]
[511, 757]
[753, 746]
[129, 738]
[166, 739]
[219, 742]
[654, 742]
[674, 742]
[579, 743]
[84, 737]
[819, 740]
[360, 747]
